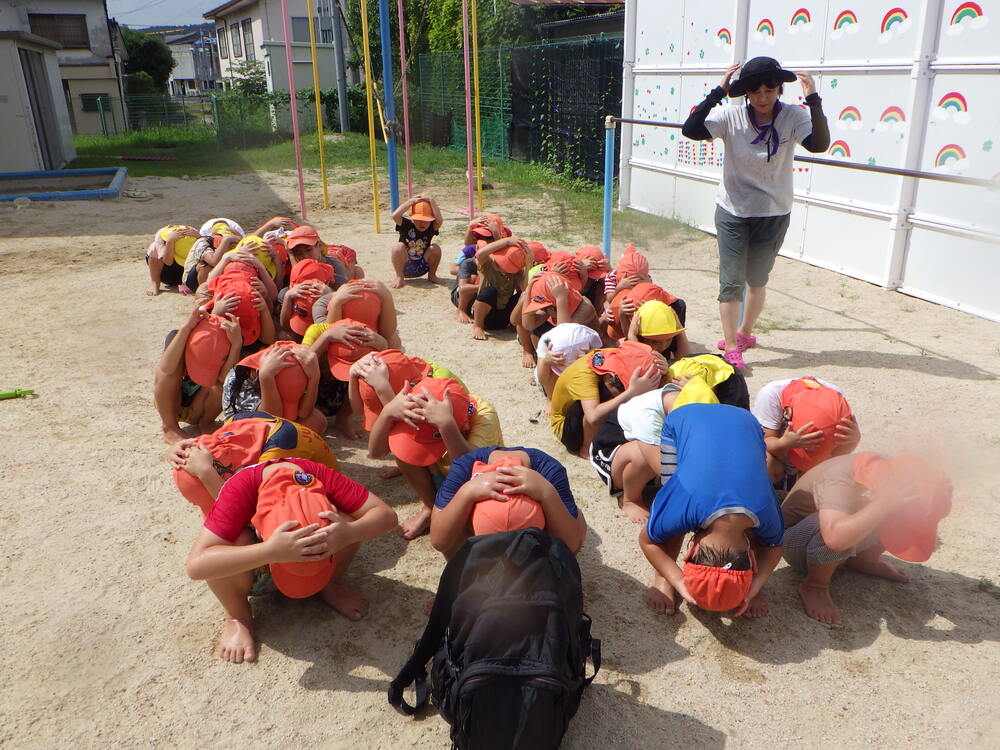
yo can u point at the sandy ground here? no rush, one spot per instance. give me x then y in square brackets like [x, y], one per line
[105, 642]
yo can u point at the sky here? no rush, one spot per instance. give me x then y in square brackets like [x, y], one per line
[137, 13]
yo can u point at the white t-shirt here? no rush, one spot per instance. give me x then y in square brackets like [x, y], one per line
[767, 405]
[751, 185]
[641, 418]
[570, 339]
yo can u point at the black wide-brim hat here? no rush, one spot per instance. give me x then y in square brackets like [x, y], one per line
[756, 71]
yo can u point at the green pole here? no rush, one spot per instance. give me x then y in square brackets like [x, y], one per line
[100, 113]
[218, 122]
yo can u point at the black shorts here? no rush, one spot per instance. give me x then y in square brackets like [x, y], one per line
[733, 390]
[602, 451]
[331, 396]
[572, 432]
[171, 275]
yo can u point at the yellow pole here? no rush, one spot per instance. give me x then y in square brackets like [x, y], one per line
[475, 87]
[371, 110]
[319, 106]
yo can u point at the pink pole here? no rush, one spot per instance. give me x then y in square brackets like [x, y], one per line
[468, 109]
[294, 105]
[406, 100]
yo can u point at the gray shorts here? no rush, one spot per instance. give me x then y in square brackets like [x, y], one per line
[803, 545]
[747, 249]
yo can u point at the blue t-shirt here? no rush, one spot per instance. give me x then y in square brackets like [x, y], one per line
[550, 469]
[721, 469]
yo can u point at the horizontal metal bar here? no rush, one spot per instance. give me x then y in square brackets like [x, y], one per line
[952, 227]
[902, 67]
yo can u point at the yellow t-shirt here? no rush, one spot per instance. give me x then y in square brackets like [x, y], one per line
[183, 245]
[485, 431]
[578, 382]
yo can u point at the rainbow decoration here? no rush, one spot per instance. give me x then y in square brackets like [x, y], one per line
[892, 114]
[846, 18]
[970, 11]
[894, 16]
[951, 152]
[765, 27]
[850, 114]
[724, 36]
[841, 149]
[801, 16]
[954, 101]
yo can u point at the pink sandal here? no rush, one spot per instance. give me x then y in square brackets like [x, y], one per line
[742, 342]
[735, 358]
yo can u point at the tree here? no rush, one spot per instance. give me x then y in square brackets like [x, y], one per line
[149, 55]
[250, 79]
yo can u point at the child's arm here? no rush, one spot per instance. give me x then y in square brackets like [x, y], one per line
[310, 363]
[779, 444]
[438, 217]
[547, 378]
[197, 461]
[842, 530]
[683, 348]
[231, 325]
[767, 560]
[450, 524]
[559, 290]
[439, 414]
[595, 412]
[213, 557]
[398, 409]
[494, 247]
[559, 522]
[271, 364]
[373, 519]
[263, 308]
[846, 436]
[400, 212]
[664, 565]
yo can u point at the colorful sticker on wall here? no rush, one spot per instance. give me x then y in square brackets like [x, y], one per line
[723, 38]
[951, 158]
[801, 21]
[764, 31]
[894, 23]
[849, 118]
[952, 106]
[845, 23]
[892, 118]
[840, 150]
[699, 154]
[966, 16]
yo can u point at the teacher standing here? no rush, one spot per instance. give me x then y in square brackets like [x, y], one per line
[755, 196]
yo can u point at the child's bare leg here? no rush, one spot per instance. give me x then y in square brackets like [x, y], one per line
[479, 312]
[630, 471]
[465, 296]
[206, 406]
[167, 398]
[398, 261]
[344, 423]
[433, 257]
[420, 480]
[348, 602]
[815, 593]
[316, 421]
[523, 336]
[871, 562]
[155, 269]
[236, 644]
[660, 595]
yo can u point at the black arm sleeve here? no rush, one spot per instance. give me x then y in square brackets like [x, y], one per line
[694, 127]
[818, 140]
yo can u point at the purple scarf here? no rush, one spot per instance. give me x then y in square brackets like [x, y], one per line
[766, 133]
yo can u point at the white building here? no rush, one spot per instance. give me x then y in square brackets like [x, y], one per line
[196, 69]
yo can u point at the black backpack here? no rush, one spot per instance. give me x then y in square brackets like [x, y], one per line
[510, 643]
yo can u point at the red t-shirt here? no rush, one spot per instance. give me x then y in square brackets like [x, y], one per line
[237, 501]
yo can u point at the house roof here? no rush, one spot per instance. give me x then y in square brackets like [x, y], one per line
[227, 8]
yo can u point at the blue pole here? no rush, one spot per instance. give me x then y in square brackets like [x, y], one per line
[390, 107]
[609, 182]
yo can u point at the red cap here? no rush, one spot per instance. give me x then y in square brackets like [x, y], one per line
[484, 232]
[539, 253]
[291, 381]
[347, 254]
[342, 356]
[404, 371]
[206, 351]
[540, 297]
[811, 401]
[307, 270]
[510, 260]
[303, 235]
[910, 533]
[288, 494]
[623, 360]
[599, 263]
[641, 293]
[235, 279]
[632, 263]
[571, 276]
[366, 309]
[714, 588]
[424, 446]
[233, 446]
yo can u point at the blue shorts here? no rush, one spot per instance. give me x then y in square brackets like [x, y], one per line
[415, 267]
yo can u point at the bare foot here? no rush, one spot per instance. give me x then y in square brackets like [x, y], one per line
[462, 317]
[154, 289]
[389, 472]
[756, 608]
[398, 283]
[185, 289]
[416, 526]
[819, 605]
[478, 333]
[236, 643]
[435, 279]
[350, 604]
[347, 428]
[635, 512]
[173, 435]
[879, 567]
[660, 596]
[528, 360]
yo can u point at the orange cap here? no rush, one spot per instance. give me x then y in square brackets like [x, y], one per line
[714, 588]
[595, 256]
[294, 495]
[303, 235]
[571, 276]
[510, 260]
[811, 401]
[484, 232]
[516, 512]
[641, 293]
[539, 253]
[291, 381]
[623, 361]
[404, 371]
[307, 270]
[347, 254]
[206, 351]
[366, 309]
[540, 297]
[424, 446]
[422, 211]
[632, 263]
[235, 279]
[342, 356]
[910, 533]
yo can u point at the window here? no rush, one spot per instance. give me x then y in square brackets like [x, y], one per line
[88, 102]
[234, 35]
[327, 35]
[300, 28]
[248, 39]
[223, 45]
[69, 29]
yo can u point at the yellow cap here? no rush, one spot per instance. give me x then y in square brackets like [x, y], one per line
[695, 391]
[657, 318]
[713, 370]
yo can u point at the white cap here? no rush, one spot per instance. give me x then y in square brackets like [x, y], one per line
[572, 340]
[206, 228]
